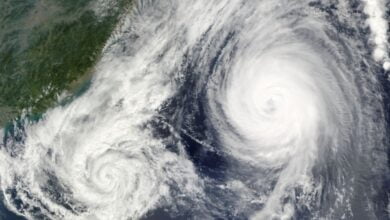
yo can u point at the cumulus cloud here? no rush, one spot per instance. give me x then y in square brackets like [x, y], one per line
[376, 11]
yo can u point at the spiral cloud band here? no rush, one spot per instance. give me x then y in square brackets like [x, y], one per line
[215, 110]
[284, 105]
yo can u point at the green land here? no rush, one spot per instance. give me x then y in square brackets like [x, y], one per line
[48, 47]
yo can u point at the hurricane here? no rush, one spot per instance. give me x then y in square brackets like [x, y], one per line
[218, 110]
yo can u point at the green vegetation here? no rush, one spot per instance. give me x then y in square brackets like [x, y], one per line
[46, 47]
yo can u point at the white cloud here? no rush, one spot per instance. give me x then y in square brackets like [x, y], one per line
[376, 12]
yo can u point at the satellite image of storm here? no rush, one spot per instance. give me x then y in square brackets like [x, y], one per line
[194, 109]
